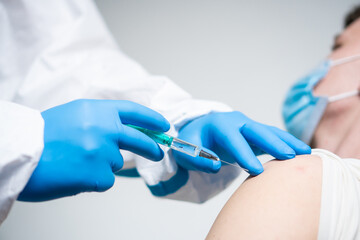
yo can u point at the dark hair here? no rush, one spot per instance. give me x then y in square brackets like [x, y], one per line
[352, 16]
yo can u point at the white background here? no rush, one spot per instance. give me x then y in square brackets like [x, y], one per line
[243, 53]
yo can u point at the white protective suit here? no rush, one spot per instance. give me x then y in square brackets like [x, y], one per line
[52, 52]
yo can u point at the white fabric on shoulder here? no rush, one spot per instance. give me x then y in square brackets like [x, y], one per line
[21, 145]
[340, 200]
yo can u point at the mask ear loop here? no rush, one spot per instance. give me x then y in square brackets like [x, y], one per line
[344, 95]
[337, 62]
[344, 60]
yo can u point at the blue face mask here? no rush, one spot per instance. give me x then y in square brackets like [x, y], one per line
[302, 111]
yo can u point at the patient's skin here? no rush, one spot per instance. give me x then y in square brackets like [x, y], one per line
[339, 129]
[284, 201]
[281, 203]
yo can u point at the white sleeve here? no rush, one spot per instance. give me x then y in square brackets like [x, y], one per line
[74, 56]
[21, 145]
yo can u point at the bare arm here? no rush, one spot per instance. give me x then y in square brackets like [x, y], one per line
[281, 203]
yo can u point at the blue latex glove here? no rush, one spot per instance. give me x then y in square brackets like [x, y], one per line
[82, 141]
[230, 135]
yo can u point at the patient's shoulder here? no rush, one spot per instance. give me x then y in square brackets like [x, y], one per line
[283, 203]
[300, 166]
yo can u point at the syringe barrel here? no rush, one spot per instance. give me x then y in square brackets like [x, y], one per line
[158, 137]
[185, 147]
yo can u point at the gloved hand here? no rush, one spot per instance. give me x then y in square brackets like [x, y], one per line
[82, 141]
[230, 135]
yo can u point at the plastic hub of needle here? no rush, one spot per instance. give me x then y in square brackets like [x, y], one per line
[208, 155]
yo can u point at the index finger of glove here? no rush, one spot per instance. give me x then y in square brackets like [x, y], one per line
[263, 137]
[296, 144]
[139, 115]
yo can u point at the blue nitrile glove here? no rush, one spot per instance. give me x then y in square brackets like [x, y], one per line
[82, 141]
[230, 135]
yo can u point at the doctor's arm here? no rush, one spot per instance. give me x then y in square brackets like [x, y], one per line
[21, 145]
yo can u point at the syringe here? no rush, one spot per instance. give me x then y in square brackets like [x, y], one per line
[178, 144]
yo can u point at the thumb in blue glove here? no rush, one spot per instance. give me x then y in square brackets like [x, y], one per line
[82, 141]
